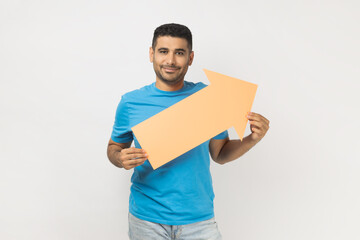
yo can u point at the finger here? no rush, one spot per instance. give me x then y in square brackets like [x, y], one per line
[257, 130]
[263, 121]
[257, 124]
[266, 120]
[133, 150]
[137, 162]
[135, 156]
[257, 117]
[134, 161]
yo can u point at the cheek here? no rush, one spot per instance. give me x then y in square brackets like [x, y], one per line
[159, 60]
[183, 62]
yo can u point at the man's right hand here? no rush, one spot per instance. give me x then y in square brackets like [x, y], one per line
[131, 157]
[124, 156]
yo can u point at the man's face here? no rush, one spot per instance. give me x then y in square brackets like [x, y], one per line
[171, 59]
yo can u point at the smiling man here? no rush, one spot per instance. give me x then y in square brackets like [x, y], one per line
[171, 57]
[174, 201]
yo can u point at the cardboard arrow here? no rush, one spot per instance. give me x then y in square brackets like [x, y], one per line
[183, 126]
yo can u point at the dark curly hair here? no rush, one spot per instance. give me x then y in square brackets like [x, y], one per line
[173, 30]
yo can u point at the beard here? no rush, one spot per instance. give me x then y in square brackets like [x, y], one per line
[173, 79]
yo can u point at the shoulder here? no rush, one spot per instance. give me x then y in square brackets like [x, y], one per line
[135, 94]
[195, 86]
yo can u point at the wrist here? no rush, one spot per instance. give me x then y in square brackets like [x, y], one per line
[253, 139]
[117, 159]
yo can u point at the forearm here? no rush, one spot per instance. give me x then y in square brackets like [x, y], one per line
[234, 149]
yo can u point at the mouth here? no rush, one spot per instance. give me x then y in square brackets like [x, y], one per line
[170, 69]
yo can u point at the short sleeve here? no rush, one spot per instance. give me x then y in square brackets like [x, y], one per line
[121, 130]
[222, 135]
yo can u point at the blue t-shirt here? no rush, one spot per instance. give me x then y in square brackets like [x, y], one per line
[179, 192]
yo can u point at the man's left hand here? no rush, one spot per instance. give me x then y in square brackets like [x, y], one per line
[259, 125]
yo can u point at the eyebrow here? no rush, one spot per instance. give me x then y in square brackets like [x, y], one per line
[177, 49]
[180, 50]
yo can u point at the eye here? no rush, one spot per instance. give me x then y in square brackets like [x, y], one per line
[180, 53]
[162, 51]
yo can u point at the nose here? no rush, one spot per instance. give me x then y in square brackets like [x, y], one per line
[170, 59]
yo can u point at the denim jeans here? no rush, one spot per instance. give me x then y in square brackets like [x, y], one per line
[144, 230]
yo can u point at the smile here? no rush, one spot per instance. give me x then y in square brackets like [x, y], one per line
[170, 69]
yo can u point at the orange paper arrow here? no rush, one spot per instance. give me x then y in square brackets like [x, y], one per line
[196, 119]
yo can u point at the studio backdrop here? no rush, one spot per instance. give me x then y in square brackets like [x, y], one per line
[64, 66]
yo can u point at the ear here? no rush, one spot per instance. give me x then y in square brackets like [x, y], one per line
[191, 58]
[151, 54]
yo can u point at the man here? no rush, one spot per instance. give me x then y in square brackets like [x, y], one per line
[174, 201]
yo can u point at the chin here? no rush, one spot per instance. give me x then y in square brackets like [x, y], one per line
[171, 81]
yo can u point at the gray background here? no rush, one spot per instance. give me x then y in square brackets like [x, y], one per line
[65, 64]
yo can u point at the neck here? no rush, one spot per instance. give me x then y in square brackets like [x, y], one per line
[167, 87]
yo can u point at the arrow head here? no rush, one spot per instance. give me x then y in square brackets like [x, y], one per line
[236, 97]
